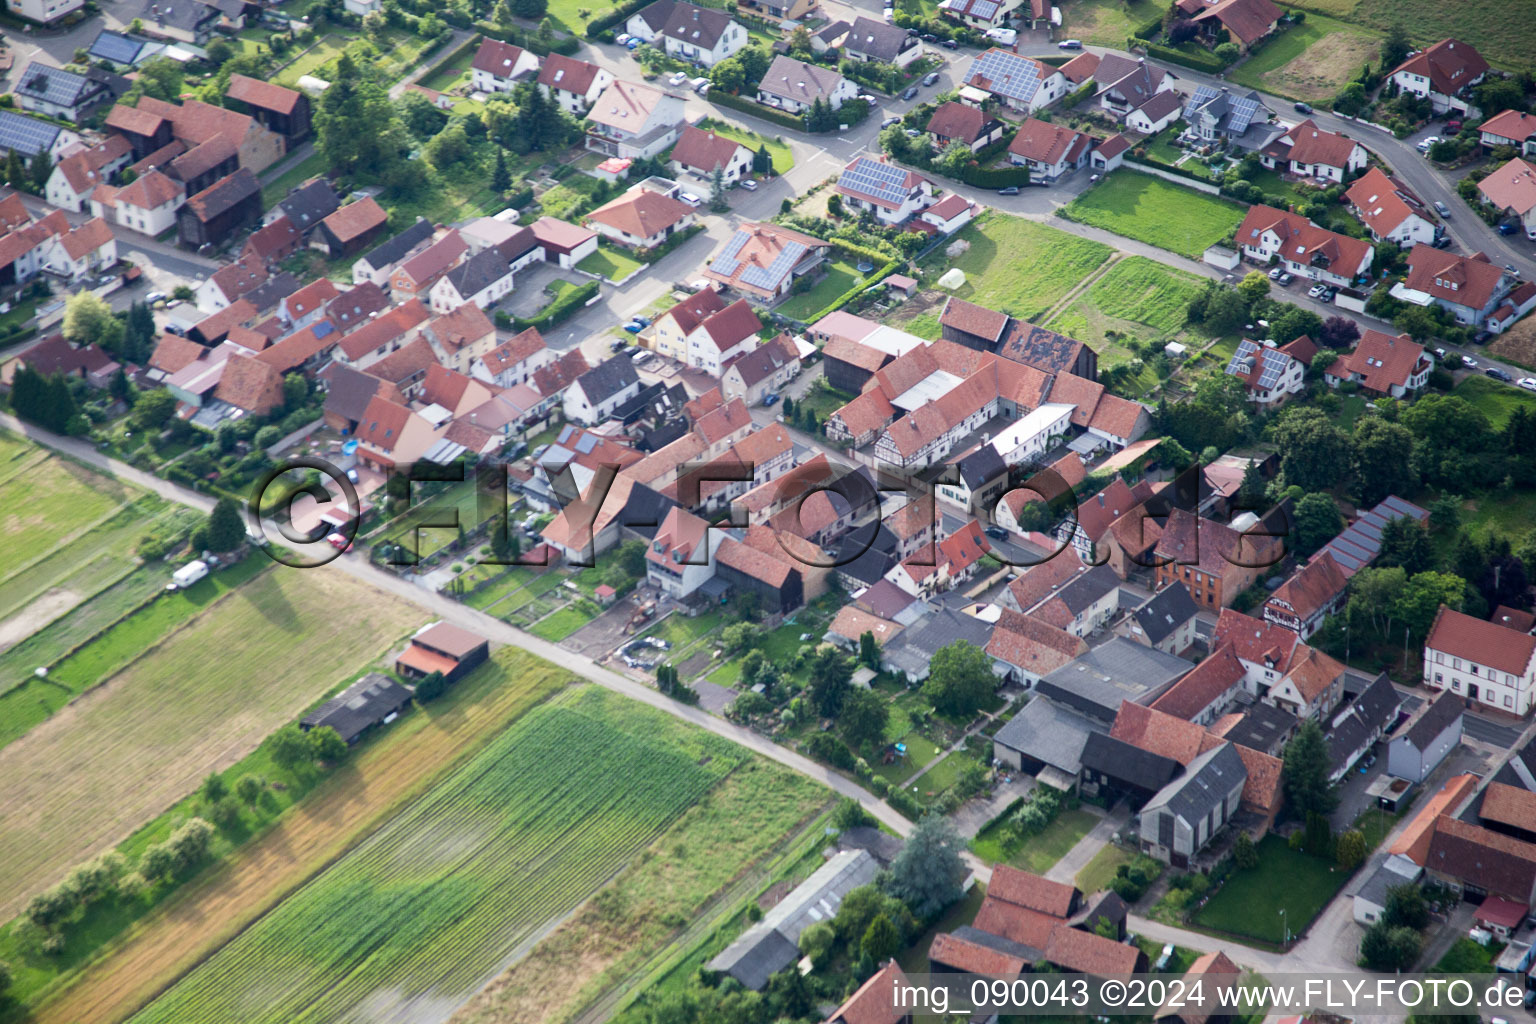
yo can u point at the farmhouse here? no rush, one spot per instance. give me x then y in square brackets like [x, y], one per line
[1444, 73]
[1182, 818]
[442, 647]
[373, 700]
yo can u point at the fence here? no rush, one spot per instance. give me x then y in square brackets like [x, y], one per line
[1177, 179]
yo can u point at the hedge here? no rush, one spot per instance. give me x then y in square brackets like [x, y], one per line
[560, 310]
[852, 293]
[1199, 62]
[857, 251]
[1150, 30]
[995, 177]
[617, 16]
[777, 117]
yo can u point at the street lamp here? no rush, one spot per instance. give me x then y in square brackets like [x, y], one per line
[1286, 925]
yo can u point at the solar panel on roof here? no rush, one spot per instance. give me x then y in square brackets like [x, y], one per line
[1009, 74]
[768, 278]
[726, 262]
[873, 178]
[24, 135]
[1244, 109]
[984, 9]
[115, 47]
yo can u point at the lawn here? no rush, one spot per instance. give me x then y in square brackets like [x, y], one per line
[1107, 22]
[411, 530]
[920, 750]
[841, 276]
[83, 778]
[1100, 871]
[278, 187]
[1311, 61]
[608, 261]
[1136, 298]
[1249, 904]
[561, 624]
[1504, 33]
[1039, 852]
[1351, 407]
[46, 503]
[1157, 212]
[783, 158]
[1017, 266]
[440, 899]
[1497, 401]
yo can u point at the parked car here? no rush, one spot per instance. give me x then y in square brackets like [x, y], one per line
[1509, 227]
[931, 78]
[1440, 354]
[154, 297]
[633, 44]
[1454, 127]
[890, 121]
[1285, 279]
[929, 37]
[1329, 294]
[770, 398]
[1303, 108]
[913, 133]
[1011, 190]
[1070, 44]
[690, 199]
[1423, 146]
[949, 44]
[1442, 209]
[750, 184]
[1443, 242]
[910, 94]
[1529, 383]
[1274, 275]
[997, 533]
[1513, 270]
[1481, 337]
[618, 345]
[1498, 374]
[1316, 291]
[633, 328]
[867, 98]
[1469, 362]
[678, 78]
[622, 38]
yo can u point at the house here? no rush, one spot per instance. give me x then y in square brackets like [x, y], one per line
[1050, 151]
[498, 66]
[482, 281]
[54, 92]
[1310, 595]
[722, 337]
[1309, 151]
[852, 622]
[191, 22]
[387, 333]
[1125, 85]
[1268, 235]
[574, 84]
[1029, 649]
[700, 153]
[514, 361]
[680, 557]
[702, 36]
[1512, 191]
[442, 647]
[770, 572]
[893, 194]
[595, 394]
[1157, 113]
[985, 14]
[1444, 74]
[306, 305]
[1271, 375]
[829, 37]
[350, 228]
[153, 124]
[672, 329]
[306, 205]
[43, 12]
[1481, 661]
[564, 244]
[633, 121]
[641, 218]
[1470, 287]
[763, 261]
[1243, 22]
[795, 86]
[880, 1000]
[1479, 862]
[1113, 769]
[29, 136]
[416, 276]
[283, 111]
[221, 211]
[1382, 874]
[1018, 83]
[1166, 620]
[269, 245]
[1221, 116]
[1110, 153]
[1511, 128]
[1418, 747]
[372, 701]
[753, 375]
[148, 204]
[1519, 302]
[461, 337]
[1178, 822]
[375, 266]
[1510, 809]
[911, 654]
[960, 122]
[1383, 365]
[54, 355]
[947, 216]
[77, 175]
[872, 41]
[1215, 561]
[1389, 210]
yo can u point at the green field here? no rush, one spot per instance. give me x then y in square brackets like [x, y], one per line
[1250, 902]
[46, 504]
[1497, 401]
[1157, 212]
[841, 276]
[1136, 297]
[1504, 33]
[1107, 22]
[1311, 61]
[561, 624]
[613, 263]
[1017, 266]
[432, 905]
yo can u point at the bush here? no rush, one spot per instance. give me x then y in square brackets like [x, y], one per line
[1200, 61]
[995, 177]
[778, 117]
[566, 305]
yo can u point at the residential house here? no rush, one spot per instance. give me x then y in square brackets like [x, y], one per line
[228, 284]
[77, 175]
[893, 194]
[1269, 235]
[514, 361]
[1217, 115]
[482, 281]
[1157, 113]
[1382, 365]
[415, 276]
[634, 121]
[872, 41]
[1309, 151]
[350, 228]
[984, 14]
[680, 557]
[795, 86]
[306, 205]
[1419, 746]
[461, 336]
[1358, 722]
[702, 36]
[763, 261]
[1244, 22]
[1124, 85]
[190, 22]
[1512, 191]
[1308, 596]
[54, 92]
[1270, 375]
[1215, 561]
[1028, 649]
[375, 266]
[283, 111]
[1018, 83]
[307, 305]
[1519, 302]
[880, 1000]
[273, 243]
[1470, 287]
[829, 37]
[385, 334]
[722, 337]
[641, 218]
[574, 84]
[780, 10]
[1390, 211]
[498, 66]
[54, 355]
[221, 211]
[29, 136]
[43, 12]
[1050, 151]
[356, 306]
[753, 375]
[594, 395]
[1444, 74]
[1166, 620]
[1511, 128]
[1481, 661]
[947, 216]
[1178, 822]
[961, 122]
[672, 329]
[148, 204]
[700, 153]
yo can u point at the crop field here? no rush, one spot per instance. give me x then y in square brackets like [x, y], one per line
[1311, 61]
[1504, 33]
[435, 903]
[1017, 266]
[1157, 212]
[199, 699]
[1138, 298]
[562, 623]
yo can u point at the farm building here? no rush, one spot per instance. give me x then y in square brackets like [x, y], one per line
[373, 700]
[444, 648]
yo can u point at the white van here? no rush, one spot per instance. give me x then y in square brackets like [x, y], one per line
[1006, 36]
[187, 575]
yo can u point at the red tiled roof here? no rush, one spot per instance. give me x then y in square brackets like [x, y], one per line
[1116, 416]
[497, 58]
[1382, 360]
[973, 319]
[1312, 587]
[963, 955]
[1511, 124]
[704, 150]
[641, 213]
[754, 563]
[274, 241]
[1027, 889]
[383, 329]
[1015, 923]
[1509, 805]
[1381, 203]
[356, 219]
[149, 190]
[87, 238]
[1465, 280]
[1254, 640]
[876, 1001]
[1413, 841]
[568, 73]
[1311, 145]
[1047, 143]
[261, 94]
[1205, 684]
[1026, 642]
[558, 235]
[1511, 187]
[1248, 20]
[1158, 732]
[249, 384]
[1487, 643]
[1450, 65]
[1089, 953]
[957, 121]
[1301, 240]
[1492, 861]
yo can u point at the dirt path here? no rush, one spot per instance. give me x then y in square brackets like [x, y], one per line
[327, 823]
[36, 615]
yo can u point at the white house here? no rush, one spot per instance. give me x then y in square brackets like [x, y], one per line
[681, 556]
[876, 42]
[641, 218]
[1157, 113]
[87, 249]
[594, 395]
[574, 84]
[1272, 374]
[723, 336]
[484, 279]
[950, 214]
[1419, 747]
[1019, 83]
[700, 153]
[1048, 150]
[795, 86]
[633, 121]
[44, 12]
[1304, 249]
[1444, 73]
[1481, 661]
[1390, 211]
[893, 194]
[1383, 365]
[1510, 128]
[514, 361]
[699, 35]
[148, 204]
[1511, 190]
[76, 176]
[1309, 151]
[498, 66]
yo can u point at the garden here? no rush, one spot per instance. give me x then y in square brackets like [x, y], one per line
[840, 277]
[1250, 903]
[1035, 831]
[1157, 212]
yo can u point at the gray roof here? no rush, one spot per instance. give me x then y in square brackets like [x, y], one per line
[1369, 714]
[696, 26]
[876, 39]
[26, 135]
[881, 845]
[394, 250]
[1164, 612]
[184, 14]
[480, 271]
[1051, 733]
[867, 559]
[1120, 760]
[348, 391]
[970, 933]
[1385, 872]
[981, 467]
[1432, 721]
[55, 85]
[1264, 727]
[1118, 670]
[1086, 588]
[607, 379]
[772, 944]
[365, 703]
[915, 647]
[1206, 782]
[272, 291]
[796, 80]
[309, 204]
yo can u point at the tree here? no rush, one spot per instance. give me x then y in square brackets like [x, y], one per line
[830, 672]
[160, 78]
[41, 170]
[1422, 596]
[248, 788]
[1404, 543]
[1501, 94]
[800, 40]
[226, 530]
[1316, 521]
[1406, 907]
[1304, 772]
[88, 320]
[928, 872]
[1244, 854]
[326, 745]
[1254, 286]
[1383, 460]
[881, 939]
[1225, 311]
[501, 14]
[1294, 323]
[420, 116]
[1351, 99]
[1445, 514]
[863, 716]
[449, 148]
[869, 651]
[1338, 332]
[1314, 452]
[1395, 47]
[1350, 849]
[501, 178]
[762, 160]
[718, 201]
[356, 124]
[5, 978]
[740, 636]
[1387, 948]
[214, 788]
[15, 170]
[431, 687]
[960, 678]
[290, 747]
[532, 10]
[817, 941]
